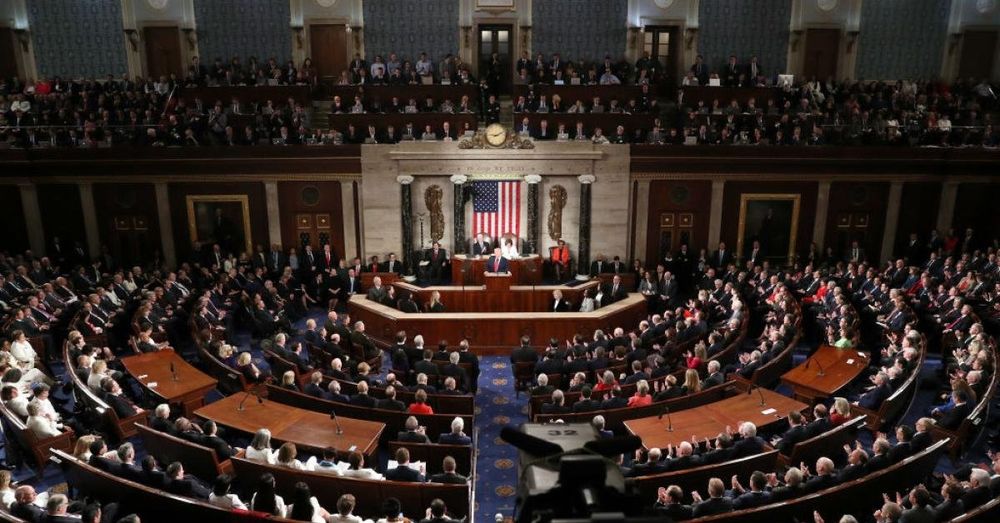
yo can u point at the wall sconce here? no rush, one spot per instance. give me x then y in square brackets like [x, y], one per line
[348, 28]
[299, 40]
[525, 36]
[852, 37]
[24, 37]
[689, 35]
[191, 36]
[796, 38]
[133, 39]
[356, 31]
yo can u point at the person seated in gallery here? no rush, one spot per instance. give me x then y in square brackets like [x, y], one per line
[497, 263]
[509, 248]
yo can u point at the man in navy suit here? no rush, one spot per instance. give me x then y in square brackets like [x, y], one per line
[456, 436]
[403, 472]
[497, 263]
[872, 399]
[481, 246]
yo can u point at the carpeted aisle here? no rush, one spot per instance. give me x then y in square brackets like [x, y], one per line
[496, 461]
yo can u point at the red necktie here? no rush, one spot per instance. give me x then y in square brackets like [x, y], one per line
[496, 265]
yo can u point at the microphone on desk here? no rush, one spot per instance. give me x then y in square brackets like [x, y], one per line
[821, 371]
[670, 423]
[333, 416]
[760, 393]
[173, 372]
[252, 391]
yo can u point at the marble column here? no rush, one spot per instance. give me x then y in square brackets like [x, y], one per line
[91, 231]
[946, 209]
[822, 210]
[273, 213]
[406, 215]
[166, 225]
[531, 241]
[641, 218]
[715, 214]
[583, 258]
[891, 220]
[32, 218]
[458, 213]
[350, 227]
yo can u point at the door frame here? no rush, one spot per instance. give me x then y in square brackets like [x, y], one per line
[186, 52]
[511, 59]
[995, 69]
[845, 61]
[307, 36]
[517, 44]
[685, 54]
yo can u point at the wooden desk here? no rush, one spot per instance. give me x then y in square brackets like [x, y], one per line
[520, 269]
[694, 94]
[307, 429]
[707, 421]
[518, 298]
[388, 278]
[494, 332]
[246, 94]
[188, 390]
[399, 121]
[839, 367]
[384, 93]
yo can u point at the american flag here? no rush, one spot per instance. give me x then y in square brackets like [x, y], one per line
[496, 208]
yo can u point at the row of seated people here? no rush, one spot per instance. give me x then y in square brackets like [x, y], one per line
[419, 70]
[27, 504]
[236, 72]
[646, 103]
[398, 106]
[607, 71]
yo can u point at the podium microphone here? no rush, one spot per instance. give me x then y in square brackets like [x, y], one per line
[250, 392]
[821, 372]
[333, 416]
[759, 393]
[670, 423]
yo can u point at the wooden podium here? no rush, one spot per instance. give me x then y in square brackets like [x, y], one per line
[497, 281]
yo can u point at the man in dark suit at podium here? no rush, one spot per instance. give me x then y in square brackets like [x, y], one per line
[481, 247]
[497, 263]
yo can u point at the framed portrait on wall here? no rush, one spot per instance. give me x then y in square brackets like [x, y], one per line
[772, 220]
[222, 219]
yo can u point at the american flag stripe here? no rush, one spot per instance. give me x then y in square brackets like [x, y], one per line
[497, 208]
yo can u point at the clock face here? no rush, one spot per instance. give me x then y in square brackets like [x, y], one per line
[496, 134]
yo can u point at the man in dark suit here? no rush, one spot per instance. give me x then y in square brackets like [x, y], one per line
[402, 471]
[362, 399]
[722, 257]
[957, 414]
[392, 264]
[413, 433]
[481, 247]
[471, 362]
[873, 399]
[389, 402]
[525, 353]
[758, 494]
[585, 403]
[749, 443]
[670, 503]
[178, 483]
[614, 291]
[453, 369]
[24, 506]
[426, 364]
[437, 261]
[497, 263]
[558, 304]
[210, 438]
[449, 476]
[700, 70]
[796, 432]
[717, 503]
[457, 435]
[715, 376]
[825, 476]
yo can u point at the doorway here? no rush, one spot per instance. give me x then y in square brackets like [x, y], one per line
[661, 42]
[822, 53]
[163, 51]
[499, 39]
[8, 62]
[978, 53]
[328, 49]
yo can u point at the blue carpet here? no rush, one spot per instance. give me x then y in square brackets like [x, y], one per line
[496, 462]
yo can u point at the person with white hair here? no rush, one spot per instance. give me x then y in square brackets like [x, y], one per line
[259, 448]
[748, 443]
[457, 435]
[598, 424]
[543, 388]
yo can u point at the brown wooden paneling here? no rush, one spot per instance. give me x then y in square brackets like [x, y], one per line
[731, 208]
[975, 206]
[692, 197]
[822, 52]
[15, 236]
[8, 60]
[328, 48]
[918, 212]
[62, 214]
[127, 219]
[856, 212]
[178, 210]
[978, 53]
[163, 51]
[296, 198]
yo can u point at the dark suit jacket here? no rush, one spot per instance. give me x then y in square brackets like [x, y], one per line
[407, 436]
[28, 512]
[791, 437]
[364, 400]
[404, 473]
[750, 499]
[388, 404]
[449, 477]
[954, 417]
[712, 506]
[873, 399]
[483, 250]
[503, 265]
[454, 439]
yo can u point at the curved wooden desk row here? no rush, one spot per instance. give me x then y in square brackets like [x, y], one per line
[491, 333]
[153, 504]
[478, 298]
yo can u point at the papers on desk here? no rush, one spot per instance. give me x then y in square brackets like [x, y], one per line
[768, 412]
[850, 361]
[418, 466]
[862, 355]
[424, 263]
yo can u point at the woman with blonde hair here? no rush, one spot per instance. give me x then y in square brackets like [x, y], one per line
[641, 398]
[692, 383]
[288, 381]
[840, 411]
[6, 492]
[81, 450]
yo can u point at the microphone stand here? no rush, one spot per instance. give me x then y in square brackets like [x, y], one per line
[333, 416]
[246, 395]
[173, 372]
[670, 423]
[759, 393]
